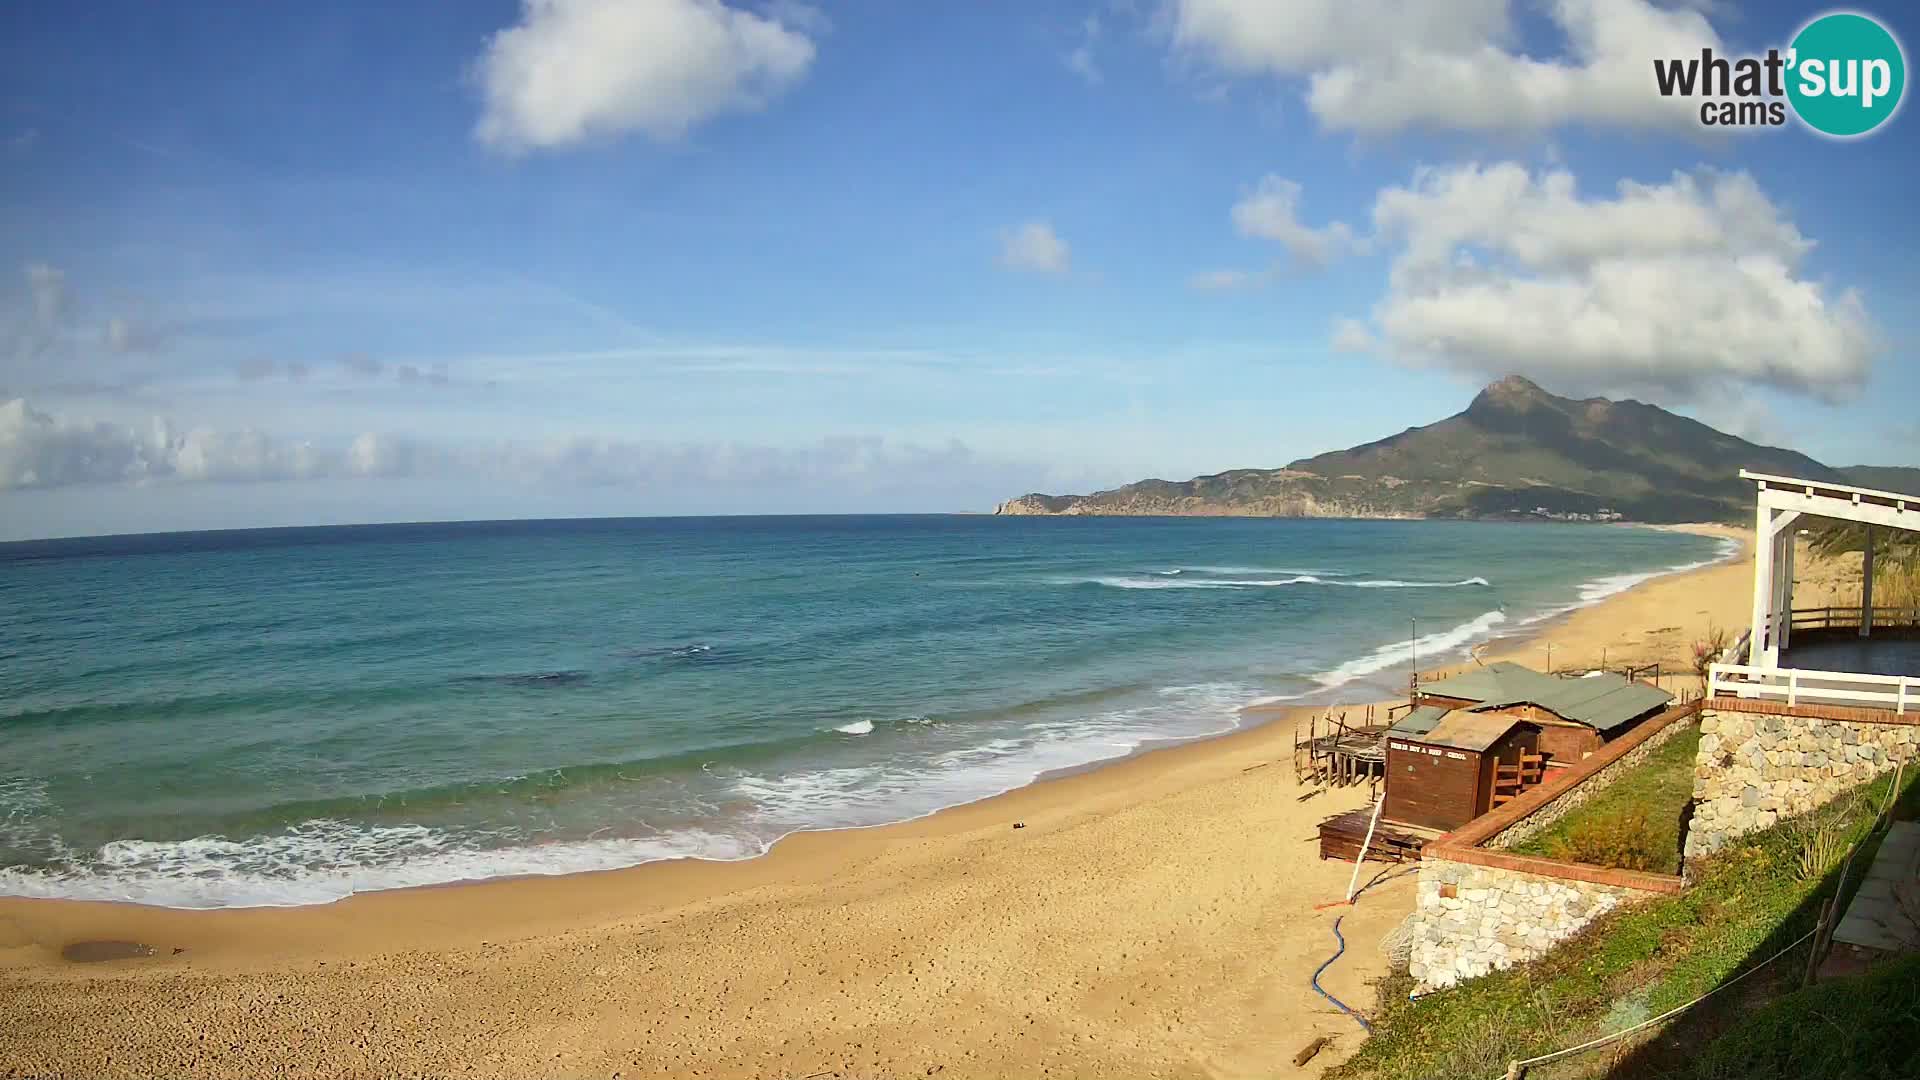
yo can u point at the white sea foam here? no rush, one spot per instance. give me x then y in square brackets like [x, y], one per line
[1161, 582]
[1126, 582]
[323, 861]
[1405, 652]
[1390, 583]
[326, 860]
[1592, 592]
[858, 727]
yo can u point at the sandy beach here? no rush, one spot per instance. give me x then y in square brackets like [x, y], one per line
[1159, 916]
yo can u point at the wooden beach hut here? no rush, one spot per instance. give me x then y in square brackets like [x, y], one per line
[1576, 715]
[1446, 767]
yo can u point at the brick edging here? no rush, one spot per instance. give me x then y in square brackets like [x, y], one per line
[1470, 836]
[1554, 868]
[1846, 713]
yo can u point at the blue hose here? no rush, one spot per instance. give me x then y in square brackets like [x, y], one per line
[1337, 1003]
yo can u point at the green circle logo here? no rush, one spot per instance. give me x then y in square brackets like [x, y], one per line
[1846, 75]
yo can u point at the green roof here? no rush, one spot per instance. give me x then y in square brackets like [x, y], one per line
[1418, 722]
[1602, 700]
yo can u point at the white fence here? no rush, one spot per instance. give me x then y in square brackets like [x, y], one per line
[1797, 685]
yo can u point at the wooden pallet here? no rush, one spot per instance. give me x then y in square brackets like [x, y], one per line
[1342, 834]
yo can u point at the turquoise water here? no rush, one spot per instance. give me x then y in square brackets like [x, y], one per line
[289, 716]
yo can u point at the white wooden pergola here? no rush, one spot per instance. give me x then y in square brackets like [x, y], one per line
[1782, 501]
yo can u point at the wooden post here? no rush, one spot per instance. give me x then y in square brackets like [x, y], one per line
[1813, 950]
[1866, 587]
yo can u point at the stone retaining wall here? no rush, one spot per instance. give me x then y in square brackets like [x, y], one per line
[1758, 765]
[1470, 920]
[1584, 790]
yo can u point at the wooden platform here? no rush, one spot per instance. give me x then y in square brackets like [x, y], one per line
[1342, 834]
[1339, 753]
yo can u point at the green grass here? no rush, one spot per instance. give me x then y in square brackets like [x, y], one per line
[1661, 787]
[1746, 903]
[1850, 1029]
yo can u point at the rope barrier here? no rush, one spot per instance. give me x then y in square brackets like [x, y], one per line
[1337, 1003]
[1544, 1059]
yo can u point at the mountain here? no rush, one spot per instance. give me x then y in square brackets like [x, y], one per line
[1897, 478]
[1517, 450]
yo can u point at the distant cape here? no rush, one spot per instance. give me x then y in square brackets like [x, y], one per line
[1516, 452]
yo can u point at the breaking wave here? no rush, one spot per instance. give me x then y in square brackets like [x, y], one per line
[1406, 652]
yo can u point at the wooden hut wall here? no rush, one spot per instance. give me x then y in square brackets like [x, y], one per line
[1432, 786]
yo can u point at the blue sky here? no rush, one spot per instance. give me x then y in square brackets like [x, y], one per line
[267, 264]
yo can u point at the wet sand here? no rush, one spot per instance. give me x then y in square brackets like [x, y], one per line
[1154, 917]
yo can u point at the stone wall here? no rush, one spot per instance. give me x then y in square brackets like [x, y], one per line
[1496, 918]
[1756, 767]
[1586, 788]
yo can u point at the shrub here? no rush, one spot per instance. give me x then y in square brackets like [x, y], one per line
[1823, 843]
[1623, 840]
[1708, 650]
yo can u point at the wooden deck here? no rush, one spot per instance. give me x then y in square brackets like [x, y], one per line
[1342, 834]
[1341, 753]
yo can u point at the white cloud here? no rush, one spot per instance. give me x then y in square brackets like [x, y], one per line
[1271, 212]
[574, 70]
[48, 287]
[1678, 286]
[362, 365]
[40, 451]
[128, 334]
[1225, 280]
[1036, 248]
[1352, 335]
[1378, 66]
[1080, 59]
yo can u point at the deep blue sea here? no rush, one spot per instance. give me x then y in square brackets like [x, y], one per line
[288, 716]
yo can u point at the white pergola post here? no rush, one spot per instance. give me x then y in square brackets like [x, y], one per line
[1758, 654]
[1866, 587]
[1788, 544]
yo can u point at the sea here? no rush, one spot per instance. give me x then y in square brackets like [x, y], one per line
[290, 716]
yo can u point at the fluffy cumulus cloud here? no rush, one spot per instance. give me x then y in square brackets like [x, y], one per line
[1271, 212]
[574, 70]
[1035, 248]
[1378, 66]
[38, 450]
[1675, 287]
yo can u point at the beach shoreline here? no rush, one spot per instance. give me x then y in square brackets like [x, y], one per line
[1217, 823]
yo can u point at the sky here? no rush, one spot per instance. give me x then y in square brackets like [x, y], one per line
[272, 264]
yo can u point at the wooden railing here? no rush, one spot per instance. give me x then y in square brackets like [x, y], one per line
[1847, 618]
[1797, 685]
